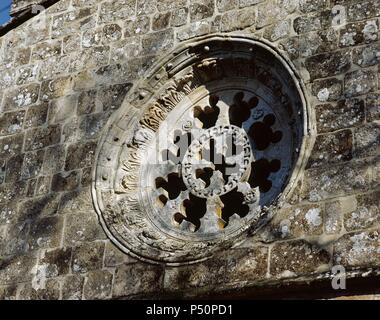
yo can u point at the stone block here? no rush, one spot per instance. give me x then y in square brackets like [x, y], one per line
[72, 287]
[65, 181]
[87, 257]
[42, 137]
[365, 214]
[54, 263]
[345, 114]
[296, 258]
[328, 64]
[331, 148]
[234, 266]
[360, 249]
[98, 285]
[136, 279]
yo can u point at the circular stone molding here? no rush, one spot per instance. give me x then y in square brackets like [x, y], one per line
[206, 147]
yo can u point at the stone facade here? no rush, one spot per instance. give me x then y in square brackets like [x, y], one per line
[63, 74]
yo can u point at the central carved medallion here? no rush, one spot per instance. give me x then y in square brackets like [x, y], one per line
[204, 149]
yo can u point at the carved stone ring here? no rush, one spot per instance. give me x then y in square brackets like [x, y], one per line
[206, 147]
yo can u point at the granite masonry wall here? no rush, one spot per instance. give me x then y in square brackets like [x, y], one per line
[65, 71]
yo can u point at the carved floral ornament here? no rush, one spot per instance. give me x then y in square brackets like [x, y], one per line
[205, 148]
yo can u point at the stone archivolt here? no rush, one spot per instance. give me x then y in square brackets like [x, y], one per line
[205, 148]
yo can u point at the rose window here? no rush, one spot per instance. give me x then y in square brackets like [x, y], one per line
[207, 147]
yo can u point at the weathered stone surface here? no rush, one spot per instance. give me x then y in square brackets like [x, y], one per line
[46, 205]
[72, 287]
[62, 109]
[54, 263]
[91, 125]
[136, 279]
[45, 233]
[12, 191]
[291, 47]
[87, 178]
[8, 213]
[347, 113]
[247, 3]
[32, 164]
[36, 115]
[27, 74]
[367, 140]
[50, 291]
[21, 97]
[307, 6]
[278, 31]
[114, 257]
[82, 226]
[337, 180]
[54, 159]
[328, 64]
[125, 50]
[179, 17]
[8, 293]
[13, 168]
[71, 21]
[236, 20]
[66, 181]
[45, 50]
[358, 249]
[312, 22]
[362, 10]
[195, 29]
[138, 26]
[87, 102]
[75, 201]
[201, 9]
[42, 137]
[11, 122]
[225, 5]
[88, 58]
[318, 42]
[43, 185]
[158, 41]
[16, 269]
[88, 256]
[373, 107]
[14, 240]
[112, 32]
[51, 89]
[98, 285]
[291, 259]
[80, 155]
[366, 56]
[327, 89]
[239, 265]
[111, 97]
[161, 21]
[333, 217]
[11, 145]
[149, 6]
[332, 148]
[295, 222]
[365, 214]
[358, 33]
[269, 12]
[359, 82]
[116, 10]
[165, 5]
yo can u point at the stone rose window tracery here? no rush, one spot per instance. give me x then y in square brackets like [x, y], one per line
[205, 149]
